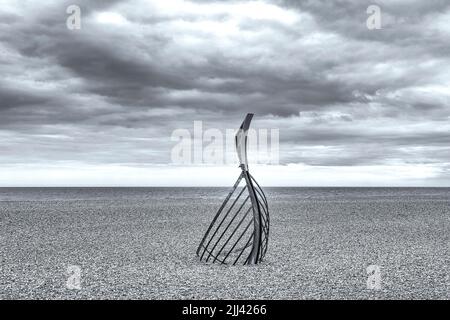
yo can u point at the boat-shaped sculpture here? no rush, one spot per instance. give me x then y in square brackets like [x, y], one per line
[239, 232]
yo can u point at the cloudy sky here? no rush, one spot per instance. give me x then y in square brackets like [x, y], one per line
[98, 106]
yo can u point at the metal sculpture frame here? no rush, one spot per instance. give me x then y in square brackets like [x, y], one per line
[229, 238]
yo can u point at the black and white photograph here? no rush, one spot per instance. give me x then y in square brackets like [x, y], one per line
[242, 150]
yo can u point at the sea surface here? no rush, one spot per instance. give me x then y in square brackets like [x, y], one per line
[140, 243]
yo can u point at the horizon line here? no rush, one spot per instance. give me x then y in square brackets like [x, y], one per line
[222, 186]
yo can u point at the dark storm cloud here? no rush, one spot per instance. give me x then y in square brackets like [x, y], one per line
[140, 69]
[401, 20]
[14, 97]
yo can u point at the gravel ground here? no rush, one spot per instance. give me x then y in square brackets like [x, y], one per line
[140, 244]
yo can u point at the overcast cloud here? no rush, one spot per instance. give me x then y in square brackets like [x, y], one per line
[97, 106]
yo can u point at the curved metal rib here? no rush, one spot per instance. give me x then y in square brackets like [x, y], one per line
[234, 235]
[241, 141]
